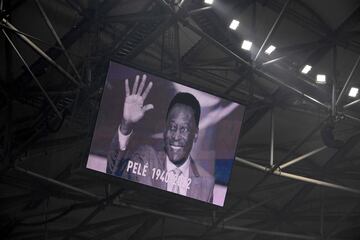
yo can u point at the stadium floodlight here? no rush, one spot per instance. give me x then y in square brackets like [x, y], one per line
[353, 92]
[270, 49]
[234, 24]
[306, 69]
[321, 79]
[209, 2]
[246, 45]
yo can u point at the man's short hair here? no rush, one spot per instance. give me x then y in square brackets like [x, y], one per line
[188, 100]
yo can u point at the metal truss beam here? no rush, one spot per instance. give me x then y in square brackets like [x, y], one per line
[272, 137]
[212, 68]
[279, 172]
[52, 104]
[174, 216]
[152, 37]
[235, 215]
[321, 30]
[243, 76]
[147, 225]
[351, 21]
[86, 220]
[120, 223]
[301, 47]
[258, 183]
[58, 40]
[334, 230]
[41, 53]
[253, 119]
[135, 17]
[208, 224]
[68, 39]
[57, 183]
[325, 26]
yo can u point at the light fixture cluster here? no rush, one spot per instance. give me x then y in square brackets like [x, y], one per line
[321, 79]
[246, 45]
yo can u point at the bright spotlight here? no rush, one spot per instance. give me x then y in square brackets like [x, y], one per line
[246, 45]
[209, 2]
[270, 49]
[306, 69]
[234, 24]
[353, 92]
[321, 79]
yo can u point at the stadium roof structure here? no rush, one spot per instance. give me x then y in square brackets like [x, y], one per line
[297, 169]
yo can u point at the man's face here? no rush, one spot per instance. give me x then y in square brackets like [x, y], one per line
[180, 133]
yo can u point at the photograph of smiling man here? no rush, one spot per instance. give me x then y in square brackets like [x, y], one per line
[165, 135]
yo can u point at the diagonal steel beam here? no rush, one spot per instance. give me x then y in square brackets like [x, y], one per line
[240, 79]
[97, 210]
[333, 83]
[334, 230]
[351, 103]
[348, 80]
[323, 24]
[134, 17]
[235, 215]
[152, 37]
[76, 6]
[58, 40]
[352, 117]
[52, 104]
[42, 53]
[272, 136]
[351, 21]
[68, 39]
[272, 29]
[321, 30]
[121, 223]
[57, 183]
[30, 36]
[302, 157]
[149, 223]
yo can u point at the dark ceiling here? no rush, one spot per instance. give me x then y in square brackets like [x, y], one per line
[54, 57]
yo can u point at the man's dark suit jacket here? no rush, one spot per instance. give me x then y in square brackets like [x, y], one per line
[202, 183]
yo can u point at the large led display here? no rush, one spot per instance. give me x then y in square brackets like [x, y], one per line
[165, 135]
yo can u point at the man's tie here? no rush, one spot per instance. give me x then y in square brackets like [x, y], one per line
[177, 172]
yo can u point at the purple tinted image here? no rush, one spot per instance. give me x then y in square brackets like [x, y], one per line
[166, 135]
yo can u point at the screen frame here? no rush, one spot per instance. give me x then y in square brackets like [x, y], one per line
[136, 185]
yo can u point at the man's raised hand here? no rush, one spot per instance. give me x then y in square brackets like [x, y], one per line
[134, 108]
